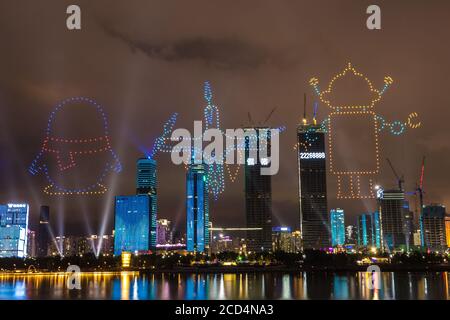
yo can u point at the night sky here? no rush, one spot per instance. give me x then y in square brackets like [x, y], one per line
[144, 60]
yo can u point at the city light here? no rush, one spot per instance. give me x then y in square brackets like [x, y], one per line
[126, 259]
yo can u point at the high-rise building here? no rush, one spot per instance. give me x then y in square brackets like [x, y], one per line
[13, 240]
[447, 230]
[392, 219]
[369, 230]
[351, 234]
[146, 183]
[14, 214]
[282, 239]
[31, 241]
[197, 209]
[164, 231]
[134, 230]
[43, 236]
[433, 227]
[417, 238]
[13, 228]
[258, 191]
[146, 176]
[296, 241]
[408, 224]
[337, 222]
[314, 217]
[97, 245]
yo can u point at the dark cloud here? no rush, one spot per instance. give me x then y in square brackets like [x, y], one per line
[223, 53]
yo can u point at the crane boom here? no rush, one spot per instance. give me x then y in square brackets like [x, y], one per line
[422, 171]
[270, 114]
[400, 180]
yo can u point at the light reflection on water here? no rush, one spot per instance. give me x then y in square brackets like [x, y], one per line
[306, 285]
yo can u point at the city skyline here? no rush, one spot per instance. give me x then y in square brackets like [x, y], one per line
[136, 114]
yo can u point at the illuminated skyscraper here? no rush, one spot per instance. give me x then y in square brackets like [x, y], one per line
[447, 230]
[133, 226]
[147, 184]
[369, 230]
[282, 239]
[258, 192]
[146, 179]
[43, 237]
[13, 240]
[14, 214]
[13, 230]
[337, 227]
[351, 235]
[314, 217]
[197, 209]
[433, 227]
[392, 218]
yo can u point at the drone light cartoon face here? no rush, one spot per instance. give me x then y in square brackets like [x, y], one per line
[71, 161]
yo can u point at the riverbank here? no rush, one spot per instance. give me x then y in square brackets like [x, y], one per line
[241, 269]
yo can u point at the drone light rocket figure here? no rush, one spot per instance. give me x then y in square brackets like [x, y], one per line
[353, 128]
[73, 163]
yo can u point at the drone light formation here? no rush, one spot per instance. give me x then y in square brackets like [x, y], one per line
[53, 146]
[355, 175]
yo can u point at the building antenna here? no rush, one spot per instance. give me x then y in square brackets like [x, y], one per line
[304, 108]
[316, 105]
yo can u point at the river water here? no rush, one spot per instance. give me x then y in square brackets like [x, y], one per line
[306, 285]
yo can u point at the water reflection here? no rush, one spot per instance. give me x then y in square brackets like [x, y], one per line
[312, 285]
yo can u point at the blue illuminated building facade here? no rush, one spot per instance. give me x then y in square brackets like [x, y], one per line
[197, 209]
[133, 224]
[337, 227]
[146, 184]
[146, 178]
[369, 230]
[135, 215]
[13, 229]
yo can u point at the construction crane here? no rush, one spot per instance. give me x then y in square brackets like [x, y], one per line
[400, 180]
[419, 189]
[250, 120]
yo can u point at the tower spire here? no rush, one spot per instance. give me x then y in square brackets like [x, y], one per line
[304, 109]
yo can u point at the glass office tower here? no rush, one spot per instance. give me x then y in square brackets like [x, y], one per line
[146, 183]
[13, 229]
[197, 209]
[13, 241]
[133, 215]
[337, 227]
[369, 230]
